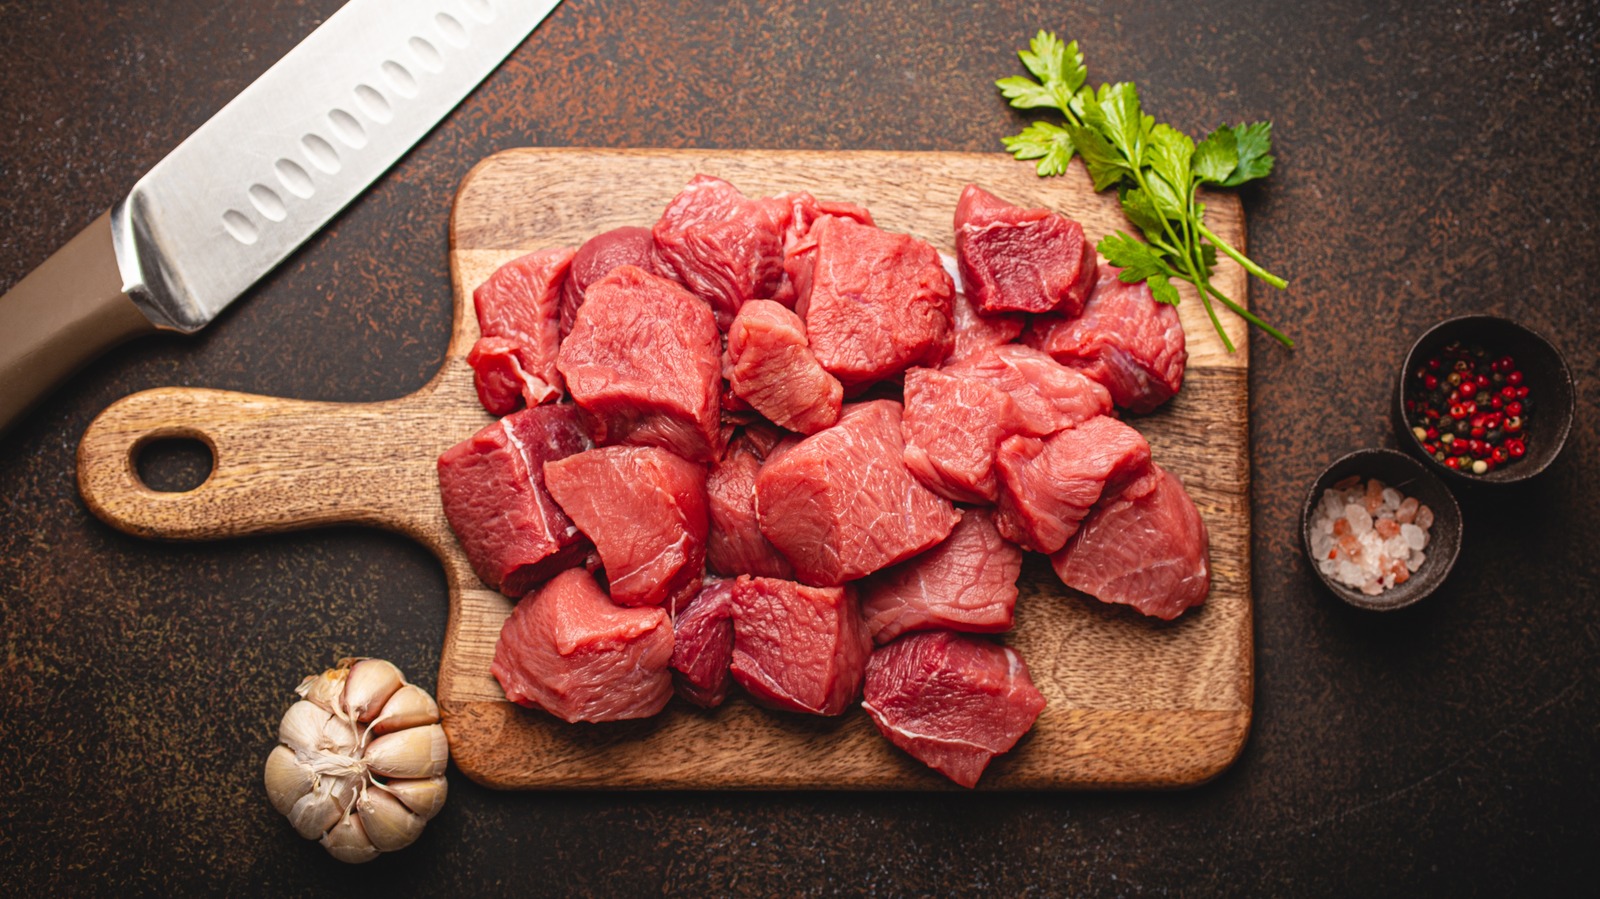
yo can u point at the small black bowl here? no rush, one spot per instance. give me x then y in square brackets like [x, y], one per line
[1408, 476]
[1547, 377]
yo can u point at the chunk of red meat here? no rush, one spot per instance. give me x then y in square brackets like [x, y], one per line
[952, 427]
[799, 648]
[953, 702]
[725, 247]
[841, 504]
[495, 499]
[770, 366]
[874, 303]
[598, 257]
[517, 315]
[1049, 396]
[571, 651]
[1048, 486]
[966, 583]
[1148, 548]
[702, 647]
[1124, 339]
[1021, 260]
[975, 330]
[643, 362]
[736, 545]
[645, 510]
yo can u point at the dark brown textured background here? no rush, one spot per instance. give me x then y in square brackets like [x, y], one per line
[1434, 158]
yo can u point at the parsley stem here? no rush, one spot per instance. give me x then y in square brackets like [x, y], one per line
[1243, 260]
[1251, 317]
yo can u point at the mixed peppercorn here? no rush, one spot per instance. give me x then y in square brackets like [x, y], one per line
[1469, 409]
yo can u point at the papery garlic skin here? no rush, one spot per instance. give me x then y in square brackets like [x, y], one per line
[360, 760]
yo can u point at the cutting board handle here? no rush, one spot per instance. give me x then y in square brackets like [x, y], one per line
[278, 464]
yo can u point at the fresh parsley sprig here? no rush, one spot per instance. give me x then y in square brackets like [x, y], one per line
[1156, 169]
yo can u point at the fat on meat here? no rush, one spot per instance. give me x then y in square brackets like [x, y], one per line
[571, 651]
[952, 701]
[1148, 549]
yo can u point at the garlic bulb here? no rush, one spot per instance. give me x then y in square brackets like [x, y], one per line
[360, 760]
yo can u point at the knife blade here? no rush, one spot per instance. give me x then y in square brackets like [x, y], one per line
[248, 187]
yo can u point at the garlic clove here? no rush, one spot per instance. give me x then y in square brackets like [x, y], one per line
[302, 727]
[369, 686]
[348, 842]
[389, 824]
[410, 706]
[339, 736]
[287, 779]
[325, 689]
[413, 752]
[423, 796]
[313, 813]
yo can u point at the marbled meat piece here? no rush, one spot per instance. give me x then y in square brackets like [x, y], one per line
[1124, 339]
[1048, 486]
[1021, 260]
[702, 647]
[598, 257]
[644, 363]
[571, 651]
[952, 701]
[770, 366]
[966, 583]
[799, 648]
[725, 247]
[736, 545]
[874, 303]
[645, 510]
[975, 330]
[492, 485]
[1148, 548]
[514, 361]
[952, 426]
[841, 504]
[1048, 395]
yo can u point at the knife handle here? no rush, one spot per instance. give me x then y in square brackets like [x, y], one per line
[60, 316]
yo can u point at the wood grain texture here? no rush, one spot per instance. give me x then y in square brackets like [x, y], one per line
[1132, 702]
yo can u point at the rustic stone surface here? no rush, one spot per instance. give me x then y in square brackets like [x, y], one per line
[1433, 160]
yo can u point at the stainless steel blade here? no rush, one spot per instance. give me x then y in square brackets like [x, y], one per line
[282, 158]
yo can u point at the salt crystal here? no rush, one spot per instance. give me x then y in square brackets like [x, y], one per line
[1424, 517]
[1414, 536]
[1360, 519]
[1407, 512]
[1372, 588]
[1350, 574]
[1391, 497]
[1327, 565]
[1396, 547]
[1416, 560]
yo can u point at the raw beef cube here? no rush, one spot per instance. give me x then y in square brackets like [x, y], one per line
[574, 653]
[841, 503]
[952, 427]
[975, 330]
[954, 702]
[1148, 548]
[645, 510]
[874, 303]
[736, 545]
[1048, 486]
[518, 305]
[1049, 396]
[966, 583]
[771, 367]
[799, 648]
[702, 647]
[725, 247]
[1124, 339]
[644, 364]
[494, 496]
[598, 257]
[1021, 260]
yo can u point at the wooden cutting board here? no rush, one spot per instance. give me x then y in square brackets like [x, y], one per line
[1132, 702]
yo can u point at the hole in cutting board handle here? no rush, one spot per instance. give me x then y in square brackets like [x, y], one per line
[174, 462]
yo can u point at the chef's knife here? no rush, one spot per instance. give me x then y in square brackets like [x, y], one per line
[253, 183]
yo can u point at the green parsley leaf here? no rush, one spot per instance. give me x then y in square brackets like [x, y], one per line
[1145, 214]
[1255, 153]
[1163, 290]
[1059, 68]
[1217, 156]
[1106, 165]
[1050, 144]
[1137, 259]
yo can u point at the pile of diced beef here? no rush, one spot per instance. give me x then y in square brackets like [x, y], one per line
[766, 443]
